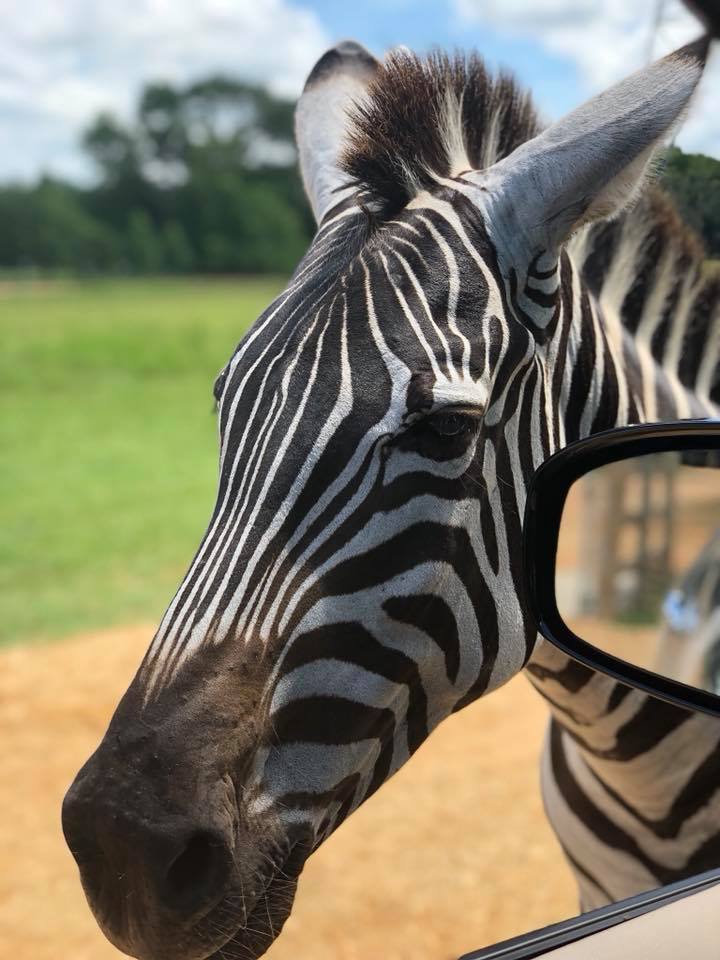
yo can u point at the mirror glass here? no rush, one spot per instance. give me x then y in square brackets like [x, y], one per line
[638, 564]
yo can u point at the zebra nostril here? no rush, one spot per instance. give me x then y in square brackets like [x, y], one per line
[198, 874]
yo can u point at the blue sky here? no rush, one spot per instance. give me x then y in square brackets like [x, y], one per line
[62, 61]
[422, 24]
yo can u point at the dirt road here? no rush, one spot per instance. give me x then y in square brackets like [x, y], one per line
[451, 855]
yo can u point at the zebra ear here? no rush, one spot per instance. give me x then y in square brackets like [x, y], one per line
[593, 162]
[338, 79]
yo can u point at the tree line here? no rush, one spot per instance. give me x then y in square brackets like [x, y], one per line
[204, 180]
[694, 182]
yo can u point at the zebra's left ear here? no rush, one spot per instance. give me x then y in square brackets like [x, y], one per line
[593, 162]
[339, 78]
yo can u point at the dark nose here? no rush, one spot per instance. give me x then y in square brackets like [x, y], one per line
[179, 863]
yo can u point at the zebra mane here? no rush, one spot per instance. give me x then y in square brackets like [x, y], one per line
[430, 117]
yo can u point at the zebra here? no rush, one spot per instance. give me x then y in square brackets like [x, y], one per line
[480, 292]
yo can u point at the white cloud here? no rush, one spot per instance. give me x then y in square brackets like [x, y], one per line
[63, 60]
[607, 41]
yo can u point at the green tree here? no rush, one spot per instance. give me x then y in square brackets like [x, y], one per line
[144, 245]
[203, 178]
[179, 255]
[694, 181]
[47, 226]
[113, 147]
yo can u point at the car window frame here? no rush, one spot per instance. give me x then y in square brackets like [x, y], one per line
[539, 942]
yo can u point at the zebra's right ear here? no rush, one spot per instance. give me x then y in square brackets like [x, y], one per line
[339, 78]
[593, 163]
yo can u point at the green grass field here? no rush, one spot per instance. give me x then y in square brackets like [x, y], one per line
[108, 443]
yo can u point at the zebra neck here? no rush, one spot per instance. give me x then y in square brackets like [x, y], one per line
[630, 784]
[613, 370]
[603, 374]
[619, 384]
[654, 764]
[647, 273]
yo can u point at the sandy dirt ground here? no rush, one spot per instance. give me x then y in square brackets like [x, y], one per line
[452, 854]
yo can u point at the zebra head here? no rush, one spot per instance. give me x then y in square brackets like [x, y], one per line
[359, 578]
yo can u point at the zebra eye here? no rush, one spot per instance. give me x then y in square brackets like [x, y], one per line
[443, 435]
[219, 385]
[451, 423]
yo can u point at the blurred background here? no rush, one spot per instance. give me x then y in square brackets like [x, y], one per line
[150, 207]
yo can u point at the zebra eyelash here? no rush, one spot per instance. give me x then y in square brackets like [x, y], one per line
[441, 434]
[447, 420]
[218, 388]
[451, 423]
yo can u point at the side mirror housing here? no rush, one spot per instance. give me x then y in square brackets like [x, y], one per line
[622, 557]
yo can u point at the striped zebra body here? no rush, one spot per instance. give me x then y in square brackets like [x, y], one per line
[632, 785]
[360, 578]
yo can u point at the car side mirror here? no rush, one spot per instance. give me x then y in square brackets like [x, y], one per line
[622, 557]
